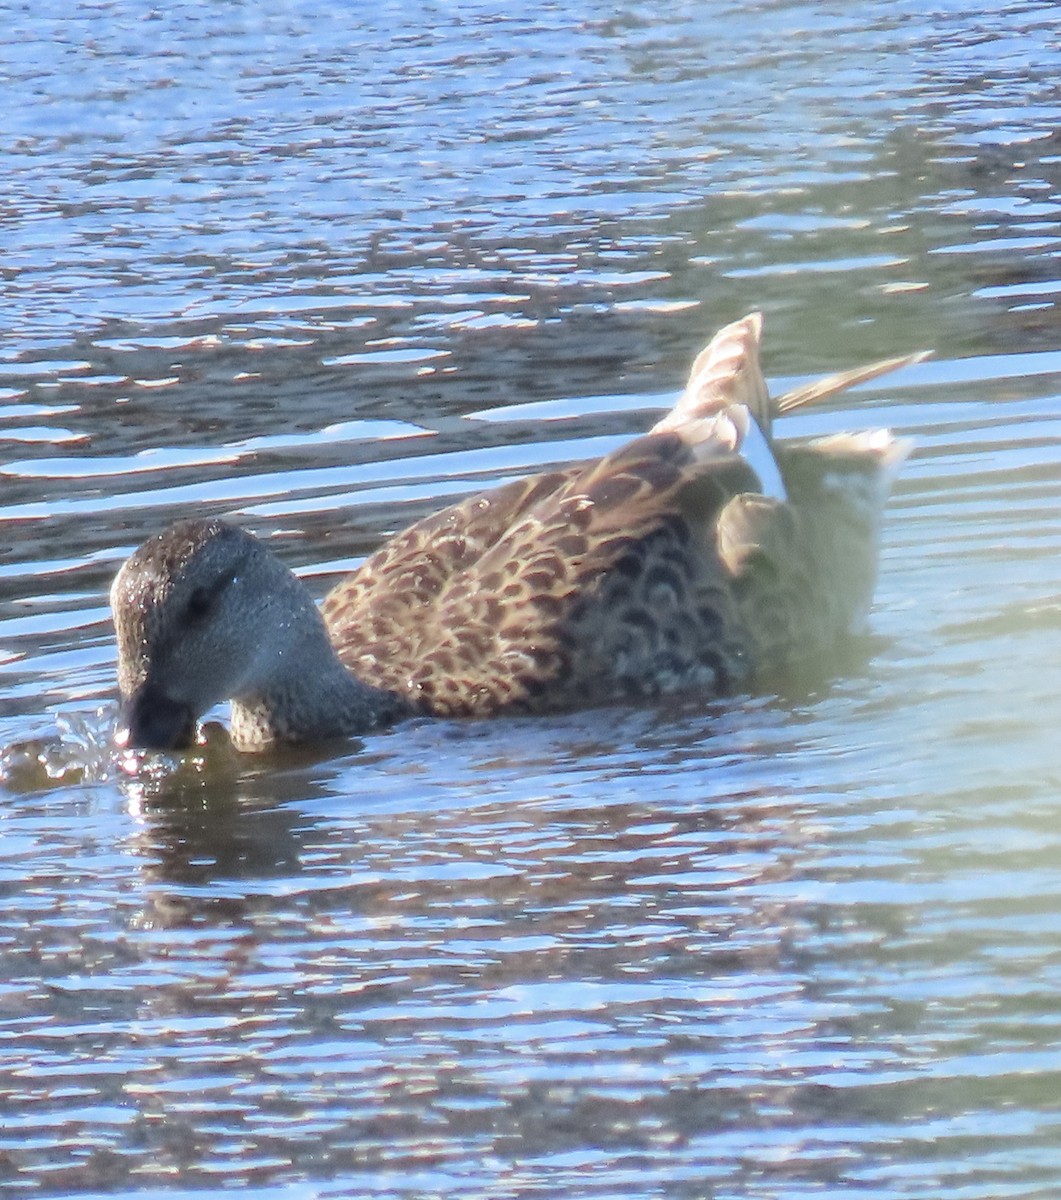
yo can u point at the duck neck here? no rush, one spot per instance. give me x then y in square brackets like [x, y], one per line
[307, 695]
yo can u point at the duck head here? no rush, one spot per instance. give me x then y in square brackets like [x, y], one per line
[200, 611]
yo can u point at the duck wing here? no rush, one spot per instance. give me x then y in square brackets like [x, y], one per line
[473, 609]
[479, 607]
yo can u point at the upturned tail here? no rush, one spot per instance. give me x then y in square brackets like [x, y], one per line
[726, 408]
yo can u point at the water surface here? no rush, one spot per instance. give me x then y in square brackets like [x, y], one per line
[322, 268]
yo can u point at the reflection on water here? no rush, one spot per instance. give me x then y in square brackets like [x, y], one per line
[322, 269]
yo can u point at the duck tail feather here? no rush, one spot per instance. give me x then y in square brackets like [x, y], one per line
[821, 389]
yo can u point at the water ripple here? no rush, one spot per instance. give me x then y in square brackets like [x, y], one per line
[322, 269]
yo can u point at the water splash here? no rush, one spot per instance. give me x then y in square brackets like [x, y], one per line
[81, 750]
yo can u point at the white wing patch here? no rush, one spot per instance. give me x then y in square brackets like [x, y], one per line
[759, 455]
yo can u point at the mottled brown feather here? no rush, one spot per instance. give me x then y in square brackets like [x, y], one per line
[499, 613]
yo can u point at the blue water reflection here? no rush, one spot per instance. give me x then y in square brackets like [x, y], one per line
[323, 267]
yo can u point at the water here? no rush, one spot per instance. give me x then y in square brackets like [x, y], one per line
[322, 268]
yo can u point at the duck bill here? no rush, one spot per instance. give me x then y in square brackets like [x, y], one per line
[151, 720]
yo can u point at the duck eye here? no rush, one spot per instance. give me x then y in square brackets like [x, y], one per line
[199, 604]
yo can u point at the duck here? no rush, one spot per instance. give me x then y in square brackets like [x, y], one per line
[703, 555]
